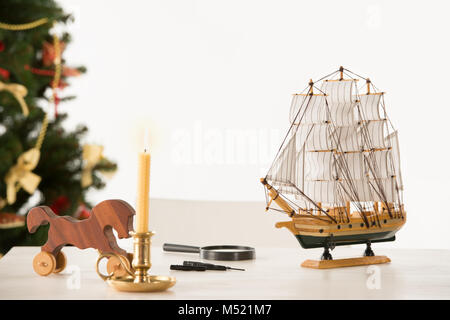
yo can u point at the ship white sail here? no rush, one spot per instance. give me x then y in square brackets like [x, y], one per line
[340, 101]
[378, 164]
[338, 150]
[319, 191]
[319, 166]
[351, 166]
[392, 142]
[372, 134]
[381, 190]
[317, 137]
[347, 138]
[370, 106]
[315, 112]
[283, 171]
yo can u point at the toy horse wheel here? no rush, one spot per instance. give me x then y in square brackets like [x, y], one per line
[61, 262]
[44, 263]
[113, 265]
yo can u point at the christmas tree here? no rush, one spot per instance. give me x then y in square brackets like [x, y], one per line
[41, 163]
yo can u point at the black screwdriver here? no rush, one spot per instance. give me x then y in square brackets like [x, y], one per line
[187, 268]
[209, 266]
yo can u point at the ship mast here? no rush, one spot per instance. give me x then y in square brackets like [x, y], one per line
[375, 203]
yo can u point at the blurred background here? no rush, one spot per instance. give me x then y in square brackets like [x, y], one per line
[212, 81]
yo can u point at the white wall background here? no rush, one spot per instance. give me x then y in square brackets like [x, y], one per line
[199, 72]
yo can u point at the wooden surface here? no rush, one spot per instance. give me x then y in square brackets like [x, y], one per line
[275, 274]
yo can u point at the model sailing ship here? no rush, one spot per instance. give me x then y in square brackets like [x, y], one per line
[337, 172]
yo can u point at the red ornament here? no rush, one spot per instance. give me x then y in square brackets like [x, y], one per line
[40, 72]
[48, 52]
[70, 72]
[82, 212]
[56, 99]
[61, 204]
[62, 84]
[11, 220]
[4, 73]
[66, 71]
[2, 46]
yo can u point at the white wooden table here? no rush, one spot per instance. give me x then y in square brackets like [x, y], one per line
[275, 274]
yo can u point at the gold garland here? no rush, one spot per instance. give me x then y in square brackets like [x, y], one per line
[19, 92]
[42, 133]
[57, 63]
[24, 26]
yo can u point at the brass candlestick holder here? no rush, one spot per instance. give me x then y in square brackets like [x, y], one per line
[137, 278]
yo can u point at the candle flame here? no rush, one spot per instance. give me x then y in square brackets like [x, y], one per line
[146, 139]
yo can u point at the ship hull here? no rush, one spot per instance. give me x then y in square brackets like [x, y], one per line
[309, 242]
[314, 233]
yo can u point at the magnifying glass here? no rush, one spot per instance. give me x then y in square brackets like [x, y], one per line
[221, 252]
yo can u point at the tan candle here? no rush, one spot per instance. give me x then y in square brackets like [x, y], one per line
[143, 192]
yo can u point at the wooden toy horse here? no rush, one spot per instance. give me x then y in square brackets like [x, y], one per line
[95, 232]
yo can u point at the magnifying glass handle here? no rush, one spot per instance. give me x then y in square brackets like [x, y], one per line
[180, 248]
